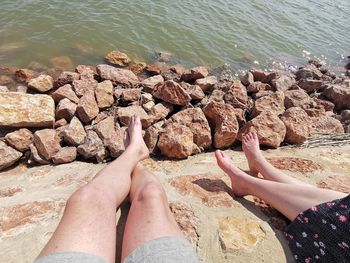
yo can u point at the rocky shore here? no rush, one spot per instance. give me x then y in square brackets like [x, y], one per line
[58, 116]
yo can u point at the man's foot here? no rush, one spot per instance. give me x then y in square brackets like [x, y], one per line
[239, 179]
[134, 140]
[252, 151]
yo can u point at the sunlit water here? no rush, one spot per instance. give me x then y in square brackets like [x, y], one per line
[208, 32]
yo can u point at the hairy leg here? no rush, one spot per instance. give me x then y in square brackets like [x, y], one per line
[289, 199]
[149, 216]
[89, 221]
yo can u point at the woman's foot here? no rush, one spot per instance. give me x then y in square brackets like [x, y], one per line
[239, 179]
[252, 151]
[134, 140]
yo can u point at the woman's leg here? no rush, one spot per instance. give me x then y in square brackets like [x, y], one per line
[149, 216]
[289, 199]
[89, 220]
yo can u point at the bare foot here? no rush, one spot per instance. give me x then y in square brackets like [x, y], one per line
[239, 178]
[252, 151]
[134, 140]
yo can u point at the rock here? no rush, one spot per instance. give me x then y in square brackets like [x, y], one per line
[42, 83]
[339, 95]
[173, 93]
[236, 233]
[35, 156]
[117, 75]
[171, 75]
[311, 85]
[297, 98]
[153, 69]
[273, 103]
[92, 147]
[25, 75]
[65, 109]
[164, 56]
[65, 155]
[161, 111]
[130, 95]
[262, 93]
[66, 77]
[196, 121]
[150, 84]
[194, 74]
[327, 105]
[222, 119]
[176, 141]
[247, 79]
[258, 86]
[60, 123]
[148, 106]
[325, 124]
[282, 83]
[195, 92]
[47, 142]
[63, 92]
[308, 72]
[263, 76]
[146, 97]
[206, 83]
[152, 135]
[75, 133]
[26, 110]
[20, 140]
[344, 117]
[82, 86]
[239, 113]
[125, 114]
[297, 125]
[315, 112]
[87, 108]
[118, 58]
[8, 156]
[138, 67]
[270, 129]
[62, 62]
[237, 95]
[178, 69]
[86, 72]
[217, 95]
[4, 89]
[104, 94]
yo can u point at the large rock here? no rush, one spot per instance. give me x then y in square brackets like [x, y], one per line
[118, 58]
[195, 92]
[273, 102]
[325, 124]
[282, 83]
[223, 121]
[42, 83]
[311, 85]
[82, 86]
[263, 76]
[104, 94]
[270, 129]
[26, 110]
[75, 133]
[20, 140]
[297, 124]
[87, 108]
[237, 95]
[65, 155]
[65, 109]
[130, 95]
[206, 83]
[194, 74]
[297, 98]
[66, 77]
[339, 95]
[151, 83]
[64, 92]
[8, 156]
[308, 72]
[247, 79]
[92, 147]
[173, 93]
[196, 121]
[117, 75]
[125, 114]
[258, 86]
[47, 143]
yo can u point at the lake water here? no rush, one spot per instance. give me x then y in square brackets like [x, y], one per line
[208, 32]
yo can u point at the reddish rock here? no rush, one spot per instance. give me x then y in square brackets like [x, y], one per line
[247, 79]
[8, 156]
[282, 83]
[117, 75]
[86, 72]
[150, 84]
[178, 69]
[237, 95]
[41, 83]
[153, 69]
[65, 109]
[60, 123]
[171, 75]
[296, 121]
[130, 95]
[35, 156]
[297, 98]
[327, 105]
[222, 119]
[75, 133]
[339, 95]
[63, 92]
[92, 147]
[125, 114]
[66, 77]
[195, 92]
[152, 135]
[258, 86]
[308, 72]
[311, 85]
[138, 67]
[82, 86]
[87, 108]
[316, 112]
[194, 74]
[270, 129]
[104, 94]
[206, 83]
[325, 124]
[263, 76]
[273, 103]
[217, 95]
[118, 58]
[20, 140]
[47, 143]
[262, 93]
[173, 93]
[146, 97]
[161, 111]
[239, 113]
[65, 155]
[25, 75]
[62, 62]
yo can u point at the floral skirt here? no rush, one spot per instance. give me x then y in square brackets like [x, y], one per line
[321, 233]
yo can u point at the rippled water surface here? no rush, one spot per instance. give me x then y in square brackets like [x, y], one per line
[209, 32]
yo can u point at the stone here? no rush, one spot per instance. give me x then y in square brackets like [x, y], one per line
[125, 114]
[193, 74]
[146, 97]
[41, 83]
[8, 156]
[130, 95]
[152, 135]
[151, 83]
[316, 112]
[296, 121]
[4, 89]
[206, 83]
[196, 121]
[20, 140]
[35, 156]
[171, 75]
[87, 108]
[82, 86]
[178, 69]
[62, 62]
[153, 69]
[161, 111]
[282, 83]
[327, 105]
[273, 103]
[65, 92]
[263, 76]
[344, 117]
[148, 106]
[195, 92]
[60, 123]
[237, 95]
[236, 233]
[311, 85]
[92, 147]
[325, 124]
[25, 75]
[258, 86]
[65, 109]
[176, 141]
[222, 119]
[66, 77]
[239, 113]
[297, 98]
[247, 79]
[86, 72]
[270, 129]
[118, 58]
[117, 75]
[47, 142]
[104, 94]
[138, 67]
[308, 72]
[217, 95]
[339, 95]
[65, 155]
[262, 93]
[26, 110]
[75, 133]
[173, 93]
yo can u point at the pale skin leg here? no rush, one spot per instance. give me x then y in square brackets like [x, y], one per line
[89, 220]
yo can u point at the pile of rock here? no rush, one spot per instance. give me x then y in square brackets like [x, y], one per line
[183, 112]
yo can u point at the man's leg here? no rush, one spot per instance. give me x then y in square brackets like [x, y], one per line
[89, 220]
[289, 199]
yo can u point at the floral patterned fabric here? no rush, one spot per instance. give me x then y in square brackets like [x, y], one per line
[321, 233]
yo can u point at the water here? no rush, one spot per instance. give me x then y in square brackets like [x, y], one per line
[242, 33]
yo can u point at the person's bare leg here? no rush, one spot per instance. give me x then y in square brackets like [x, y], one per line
[89, 220]
[149, 216]
[289, 199]
[258, 163]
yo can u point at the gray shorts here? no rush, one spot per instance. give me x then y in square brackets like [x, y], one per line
[165, 250]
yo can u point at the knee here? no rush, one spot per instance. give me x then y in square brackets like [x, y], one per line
[150, 192]
[85, 196]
